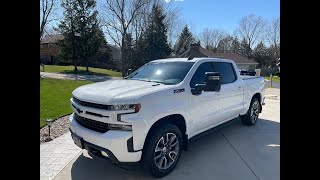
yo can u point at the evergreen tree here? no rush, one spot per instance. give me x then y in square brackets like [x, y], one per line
[83, 37]
[273, 55]
[140, 53]
[156, 35]
[245, 49]
[235, 45]
[184, 41]
[261, 55]
[129, 51]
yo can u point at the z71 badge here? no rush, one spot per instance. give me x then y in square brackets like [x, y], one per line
[178, 91]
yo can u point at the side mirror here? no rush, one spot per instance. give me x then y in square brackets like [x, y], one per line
[129, 71]
[211, 83]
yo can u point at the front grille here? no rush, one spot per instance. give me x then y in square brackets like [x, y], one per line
[94, 105]
[92, 124]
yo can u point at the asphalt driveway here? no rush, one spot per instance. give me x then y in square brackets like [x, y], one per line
[232, 152]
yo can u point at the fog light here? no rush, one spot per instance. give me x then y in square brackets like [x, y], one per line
[120, 127]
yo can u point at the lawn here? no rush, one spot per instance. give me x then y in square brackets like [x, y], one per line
[55, 97]
[275, 79]
[81, 70]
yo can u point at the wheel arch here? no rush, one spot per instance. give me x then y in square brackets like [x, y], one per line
[259, 97]
[175, 119]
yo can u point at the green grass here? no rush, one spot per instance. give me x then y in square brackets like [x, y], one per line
[55, 97]
[275, 79]
[81, 70]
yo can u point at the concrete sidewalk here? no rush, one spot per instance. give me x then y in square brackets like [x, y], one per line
[233, 152]
[93, 78]
[55, 155]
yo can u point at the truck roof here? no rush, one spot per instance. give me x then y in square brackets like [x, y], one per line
[192, 60]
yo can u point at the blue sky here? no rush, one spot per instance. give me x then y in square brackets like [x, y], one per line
[224, 14]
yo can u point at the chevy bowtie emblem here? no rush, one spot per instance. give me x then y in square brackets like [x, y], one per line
[79, 111]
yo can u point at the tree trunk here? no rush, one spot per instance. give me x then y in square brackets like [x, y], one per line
[75, 68]
[122, 61]
[87, 67]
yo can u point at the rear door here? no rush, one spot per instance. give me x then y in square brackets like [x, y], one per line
[231, 91]
[206, 108]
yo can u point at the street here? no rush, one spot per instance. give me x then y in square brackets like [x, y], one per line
[274, 84]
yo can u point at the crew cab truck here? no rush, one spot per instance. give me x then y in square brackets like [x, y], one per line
[149, 116]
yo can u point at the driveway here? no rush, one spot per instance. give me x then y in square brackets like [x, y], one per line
[232, 152]
[94, 78]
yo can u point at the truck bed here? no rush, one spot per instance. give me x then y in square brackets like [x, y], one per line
[251, 84]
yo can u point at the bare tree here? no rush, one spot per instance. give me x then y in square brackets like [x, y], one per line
[210, 38]
[251, 29]
[172, 20]
[118, 19]
[46, 8]
[273, 35]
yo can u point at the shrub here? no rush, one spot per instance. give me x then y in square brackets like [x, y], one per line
[277, 73]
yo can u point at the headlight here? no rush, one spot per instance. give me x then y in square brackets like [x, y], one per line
[135, 107]
[120, 127]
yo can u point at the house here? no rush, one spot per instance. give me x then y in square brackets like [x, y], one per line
[242, 62]
[49, 50]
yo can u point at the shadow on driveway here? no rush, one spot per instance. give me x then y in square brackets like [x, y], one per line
[233, 151]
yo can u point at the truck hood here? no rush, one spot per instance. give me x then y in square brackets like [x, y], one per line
[116, 91]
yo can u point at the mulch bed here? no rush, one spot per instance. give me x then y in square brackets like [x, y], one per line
[58, 128]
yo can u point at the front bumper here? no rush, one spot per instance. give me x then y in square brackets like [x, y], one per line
[114, 143]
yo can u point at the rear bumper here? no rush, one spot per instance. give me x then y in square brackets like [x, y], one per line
[113, 145]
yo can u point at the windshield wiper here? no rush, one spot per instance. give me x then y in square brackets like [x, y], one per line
[149, 81]
[157, 82]
[140, 80]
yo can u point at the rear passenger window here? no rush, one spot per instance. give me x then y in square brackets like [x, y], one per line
[227, 74]
[198, 76]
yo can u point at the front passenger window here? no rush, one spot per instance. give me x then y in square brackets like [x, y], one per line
[198, 76]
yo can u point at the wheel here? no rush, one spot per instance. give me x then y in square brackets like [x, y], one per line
[162, 152]
[251, 117]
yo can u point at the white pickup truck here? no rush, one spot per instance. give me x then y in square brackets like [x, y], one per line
[149, 116]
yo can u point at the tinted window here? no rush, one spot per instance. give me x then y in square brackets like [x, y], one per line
[227, 74]
[198, 76]
[162, 72]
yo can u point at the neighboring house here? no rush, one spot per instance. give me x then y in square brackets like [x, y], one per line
[242, 62]
[115, 52]
[49, 51]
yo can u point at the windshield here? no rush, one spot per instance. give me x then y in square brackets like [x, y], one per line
[162, 72]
